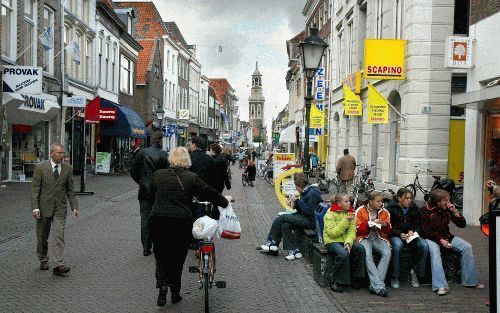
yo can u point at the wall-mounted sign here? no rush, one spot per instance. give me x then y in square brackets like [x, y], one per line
[74, 101]
[378, 107]
[458, 52]
[38, 103]
[319, 94]
[317, 117]
[184, 114]
[22, 79]
[384, 59]
[352, 102]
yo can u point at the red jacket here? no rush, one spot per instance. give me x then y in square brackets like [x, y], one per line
[435, 223]
[362, 228]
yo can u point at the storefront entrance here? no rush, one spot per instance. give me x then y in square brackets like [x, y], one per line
[492, 155]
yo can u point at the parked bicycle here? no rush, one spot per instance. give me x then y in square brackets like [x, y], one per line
[326, 185]
[123, 164]
[362, 184]
[447, 184]
[206, 266]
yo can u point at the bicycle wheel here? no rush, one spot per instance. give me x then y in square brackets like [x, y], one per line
[206, 285]
[458, 197]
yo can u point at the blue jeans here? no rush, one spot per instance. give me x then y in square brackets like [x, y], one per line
[376, 273]
[469, 273]
[282, 227]
[345, 264]
[418, 247]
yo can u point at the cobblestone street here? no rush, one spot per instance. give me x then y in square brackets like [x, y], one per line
[109, 273]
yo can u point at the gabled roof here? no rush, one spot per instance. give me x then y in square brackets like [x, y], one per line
[175, 33]
[147, 30]
[220, 86]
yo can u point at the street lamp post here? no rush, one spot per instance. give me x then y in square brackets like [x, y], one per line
[312, 49]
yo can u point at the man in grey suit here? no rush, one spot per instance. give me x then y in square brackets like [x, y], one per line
[52, 185]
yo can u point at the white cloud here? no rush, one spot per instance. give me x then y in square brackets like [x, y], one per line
[231, 35]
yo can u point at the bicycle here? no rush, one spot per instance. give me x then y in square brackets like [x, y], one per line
[123, 164]
[362, 184]
[417, 186]
[206, 267]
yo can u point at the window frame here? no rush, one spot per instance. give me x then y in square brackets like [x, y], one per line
[12, 30]
[31, 47]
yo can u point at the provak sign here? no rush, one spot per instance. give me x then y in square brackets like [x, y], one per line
[22, 79]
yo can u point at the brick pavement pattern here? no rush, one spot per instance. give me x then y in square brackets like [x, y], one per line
[109, 273]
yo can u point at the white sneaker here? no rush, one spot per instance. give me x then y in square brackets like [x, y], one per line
[442, 291]
[395, 283]
[273, 247]
[266, 247]
[414, 279]
[293, 254]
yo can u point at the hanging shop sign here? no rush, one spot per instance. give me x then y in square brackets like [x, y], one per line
[107, 114]
[184, 114]
[22, 79]
[352, 102]
[317, 116]
[353, 81]
[384, 59]
[458, 52]
[38, 103]
[319, 95]
[378, 107]
[74, 101]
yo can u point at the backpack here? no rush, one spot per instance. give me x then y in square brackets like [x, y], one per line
[319, 215]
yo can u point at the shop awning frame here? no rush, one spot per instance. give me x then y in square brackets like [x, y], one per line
[17, 114]
[475, 99]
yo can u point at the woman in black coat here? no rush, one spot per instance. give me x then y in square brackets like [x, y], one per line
[220, 177]
[172, 192]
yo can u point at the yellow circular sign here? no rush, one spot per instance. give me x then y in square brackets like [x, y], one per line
[277, 186]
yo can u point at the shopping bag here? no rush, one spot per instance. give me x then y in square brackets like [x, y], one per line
[229, 224]
[204, 227]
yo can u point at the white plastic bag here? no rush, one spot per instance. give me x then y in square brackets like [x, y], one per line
[229, 224]
[204, 227]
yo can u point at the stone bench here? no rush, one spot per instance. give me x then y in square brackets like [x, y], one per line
[323, 265]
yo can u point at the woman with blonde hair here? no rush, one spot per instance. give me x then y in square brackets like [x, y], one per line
[172, 192]
[339, 238]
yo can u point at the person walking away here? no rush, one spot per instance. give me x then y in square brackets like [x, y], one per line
[146, 162]
[373, 228]
[405, 223]
[172, 192]
[202, 163]
[339, 237]
[436, 216]
[282, 226]
[314, 161]
[220, 177]
[345, 171]
[52, 184]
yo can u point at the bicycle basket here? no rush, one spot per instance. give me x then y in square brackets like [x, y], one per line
[446, 184]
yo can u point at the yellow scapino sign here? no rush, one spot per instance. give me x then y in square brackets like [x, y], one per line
[384, 59]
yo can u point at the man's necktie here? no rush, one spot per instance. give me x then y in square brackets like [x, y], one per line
[56, 172]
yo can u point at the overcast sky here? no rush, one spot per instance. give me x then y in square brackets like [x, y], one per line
[247, 31]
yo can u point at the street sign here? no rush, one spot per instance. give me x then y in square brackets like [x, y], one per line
[74, 101]
[184, 114]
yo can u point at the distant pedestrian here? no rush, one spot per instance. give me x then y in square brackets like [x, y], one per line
[345, 171]
[220, 177]
[52, 185]
[172, 191]
[146, 162]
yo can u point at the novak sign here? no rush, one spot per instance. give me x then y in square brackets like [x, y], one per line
[22, 79]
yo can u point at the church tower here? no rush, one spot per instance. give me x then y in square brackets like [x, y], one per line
[256, 103]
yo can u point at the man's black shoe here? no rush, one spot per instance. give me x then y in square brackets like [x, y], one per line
[162, 296]
[383, 293]
[336, 288]
[146, 252]
[60, 270]
[176, 298]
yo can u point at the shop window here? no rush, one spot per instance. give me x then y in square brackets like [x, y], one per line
[461, 17]
[458, 85]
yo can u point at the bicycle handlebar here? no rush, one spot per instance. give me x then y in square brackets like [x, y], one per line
[204, 202]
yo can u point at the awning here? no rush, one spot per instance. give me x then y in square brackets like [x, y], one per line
[225, 118]
[29, 109]
[127, 123]
[288, 134]
[476, 99]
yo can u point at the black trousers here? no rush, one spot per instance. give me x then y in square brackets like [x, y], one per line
[171, 238]
[347, 264]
